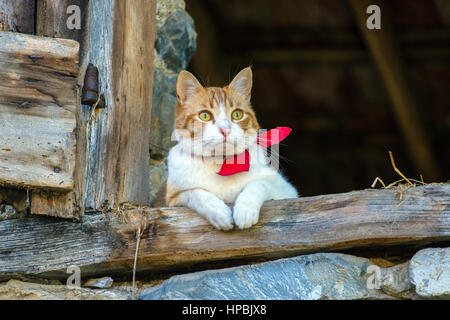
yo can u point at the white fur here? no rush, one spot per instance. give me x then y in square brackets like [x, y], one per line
[247, 190]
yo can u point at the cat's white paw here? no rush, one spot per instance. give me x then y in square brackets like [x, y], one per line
[220, 216]
[246, 214]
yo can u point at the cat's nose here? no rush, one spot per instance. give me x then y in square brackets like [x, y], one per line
[225, 132]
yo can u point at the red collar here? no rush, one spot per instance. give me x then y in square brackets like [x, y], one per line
[241, 162]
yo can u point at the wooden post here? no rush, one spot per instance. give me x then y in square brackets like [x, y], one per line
[52, 16]
[122, 50]
[120, 42]
[17, 16]
[393, 73]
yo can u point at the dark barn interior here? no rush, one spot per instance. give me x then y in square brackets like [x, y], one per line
[83, 214]
[315, 71]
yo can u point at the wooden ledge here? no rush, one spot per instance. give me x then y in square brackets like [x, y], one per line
[177, 238]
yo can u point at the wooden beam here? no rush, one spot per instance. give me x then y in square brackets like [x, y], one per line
[283, 56]
[175, 238]
[244, 39]
[443, 9]
[328, 55]
[393, 73]
[122, 49]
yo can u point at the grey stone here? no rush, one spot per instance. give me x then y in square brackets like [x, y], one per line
[175, 45]
[395, 281]
[100, 283]
[176, 40]
[165, 7]
[7, 212]
[158, 177]
[429, 270]
[309, 277]
[163, 103]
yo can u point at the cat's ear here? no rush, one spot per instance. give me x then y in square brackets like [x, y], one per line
[243, 82]
[187, 86]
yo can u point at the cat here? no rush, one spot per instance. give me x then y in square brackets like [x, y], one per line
[212, 124]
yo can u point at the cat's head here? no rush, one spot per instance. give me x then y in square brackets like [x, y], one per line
[215, 121]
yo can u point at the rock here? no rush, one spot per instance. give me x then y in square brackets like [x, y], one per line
[7, 212]
[164, 100]
[101, 283]
[309, 277]
[17, 290]
[175, 45]
[395, 281]
[158, 176]
[165, 7]
[429, 270]
[176, 39]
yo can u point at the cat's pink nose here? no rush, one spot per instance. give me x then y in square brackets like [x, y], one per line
[225, 131]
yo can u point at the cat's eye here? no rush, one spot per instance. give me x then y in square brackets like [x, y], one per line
[237, 114]
[205, 116]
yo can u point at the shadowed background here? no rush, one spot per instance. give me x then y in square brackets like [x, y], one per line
[316, 71]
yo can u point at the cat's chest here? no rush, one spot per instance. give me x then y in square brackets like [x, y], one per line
[186, 173]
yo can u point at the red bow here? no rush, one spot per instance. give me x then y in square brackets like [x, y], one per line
[241, 162]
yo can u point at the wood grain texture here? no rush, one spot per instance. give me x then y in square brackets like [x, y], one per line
[38, 98]
[51, 21]
[175, 238]
[17, 16]
[52, 16]
[122, 49]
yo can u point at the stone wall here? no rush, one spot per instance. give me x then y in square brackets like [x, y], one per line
[320, 276]
[174, 47]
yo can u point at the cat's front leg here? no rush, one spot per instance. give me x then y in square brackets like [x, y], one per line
[250, 200]
[249, 203]
[208, 206]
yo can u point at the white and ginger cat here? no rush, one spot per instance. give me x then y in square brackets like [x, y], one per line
[222, 120]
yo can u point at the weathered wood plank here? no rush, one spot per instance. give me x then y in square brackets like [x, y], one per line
[17, 15]
[55, 204]
[38, 98]
[122, 49]
[51, 21]
[52, 18]
[177, 237]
